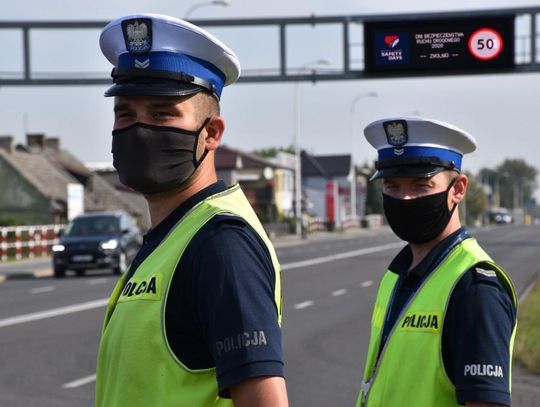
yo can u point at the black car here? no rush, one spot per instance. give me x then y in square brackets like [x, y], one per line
[97, 240]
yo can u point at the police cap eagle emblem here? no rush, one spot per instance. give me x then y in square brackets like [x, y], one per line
[137, 35]
[396, 132]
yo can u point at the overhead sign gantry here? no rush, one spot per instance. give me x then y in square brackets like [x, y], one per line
[425, 44]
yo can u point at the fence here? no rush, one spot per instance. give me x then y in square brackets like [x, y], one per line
[316, 224]
[19, 242]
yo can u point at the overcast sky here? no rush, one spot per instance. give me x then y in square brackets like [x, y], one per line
[500, 111]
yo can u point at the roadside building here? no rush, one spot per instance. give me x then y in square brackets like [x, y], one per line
[34, 179]
[326, 184]
[267, 184]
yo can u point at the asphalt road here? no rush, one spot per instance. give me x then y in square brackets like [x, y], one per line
[49, 329]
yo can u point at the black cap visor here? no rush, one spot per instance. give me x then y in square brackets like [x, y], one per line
[408, 171]
[145, 82]
[153, 88]
[414, 167]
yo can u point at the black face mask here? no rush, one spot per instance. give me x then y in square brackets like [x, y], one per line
[418, 220]
[151, 159]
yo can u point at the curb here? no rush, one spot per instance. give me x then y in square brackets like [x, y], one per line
[25, 275]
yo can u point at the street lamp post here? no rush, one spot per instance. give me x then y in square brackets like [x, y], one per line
[297, 149]
[353, 167]
[204, 4]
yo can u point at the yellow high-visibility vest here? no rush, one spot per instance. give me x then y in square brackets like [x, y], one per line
[136, 366]
[409, 370]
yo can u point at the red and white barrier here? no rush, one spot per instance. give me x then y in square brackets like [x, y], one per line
[18, 244]
[43, 242]
[31, 242]
[4, 245]
[27, 241]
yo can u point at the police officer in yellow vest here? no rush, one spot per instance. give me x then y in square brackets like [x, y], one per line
[444, 318]
[195, 321]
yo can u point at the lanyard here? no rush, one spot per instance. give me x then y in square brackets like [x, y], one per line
[388, 323]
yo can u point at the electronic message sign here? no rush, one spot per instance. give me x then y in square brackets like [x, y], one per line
[464, 44]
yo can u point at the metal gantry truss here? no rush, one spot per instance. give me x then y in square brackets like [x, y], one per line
[526, 61]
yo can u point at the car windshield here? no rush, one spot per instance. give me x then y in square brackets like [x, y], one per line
[93, 225]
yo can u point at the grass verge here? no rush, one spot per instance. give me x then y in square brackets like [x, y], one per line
[527, 344]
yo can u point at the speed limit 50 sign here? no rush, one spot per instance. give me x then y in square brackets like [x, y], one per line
[485, 44]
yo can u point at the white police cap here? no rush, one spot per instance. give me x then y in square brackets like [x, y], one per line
[414, 147]
[160, 55]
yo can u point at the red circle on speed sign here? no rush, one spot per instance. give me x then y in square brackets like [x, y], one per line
[485, 44]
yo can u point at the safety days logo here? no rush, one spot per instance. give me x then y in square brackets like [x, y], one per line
[391, 48]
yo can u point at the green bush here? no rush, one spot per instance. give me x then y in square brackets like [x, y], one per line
[9, 221]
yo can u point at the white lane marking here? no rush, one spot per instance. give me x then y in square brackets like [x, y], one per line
[303, 305]
[45, 289]
[340, 256]
[337, 293]
[35, 316]
[98, 281]
[80, 382]
[365, 284]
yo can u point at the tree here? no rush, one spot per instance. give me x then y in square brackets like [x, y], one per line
[374, 201]
[517, 181]
[490, 178]
[475, 202]
[271, 152]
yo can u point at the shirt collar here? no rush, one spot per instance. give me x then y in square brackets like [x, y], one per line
[172, 219]
[403, 260]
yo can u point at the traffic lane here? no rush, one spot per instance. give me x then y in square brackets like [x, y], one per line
[38, 358]
[67, 334]
[325, 343]
[338, 243]
[334, 278]
[26, 265]
[515, 248]
[327, 309]
[18, 297]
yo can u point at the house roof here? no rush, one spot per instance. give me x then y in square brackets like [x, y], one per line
[326, 165]
[67, 161]
[335, 165]
[228, 158]
[310, 166]
[49, 180]
[51, 170]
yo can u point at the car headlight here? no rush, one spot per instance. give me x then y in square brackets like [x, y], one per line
[109, 245]
[58, 248]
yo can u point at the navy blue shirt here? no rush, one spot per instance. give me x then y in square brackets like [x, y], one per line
[220, 311]
[477, 327]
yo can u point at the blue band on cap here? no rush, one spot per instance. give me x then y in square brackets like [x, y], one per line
[176, 63]
[417, 151]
